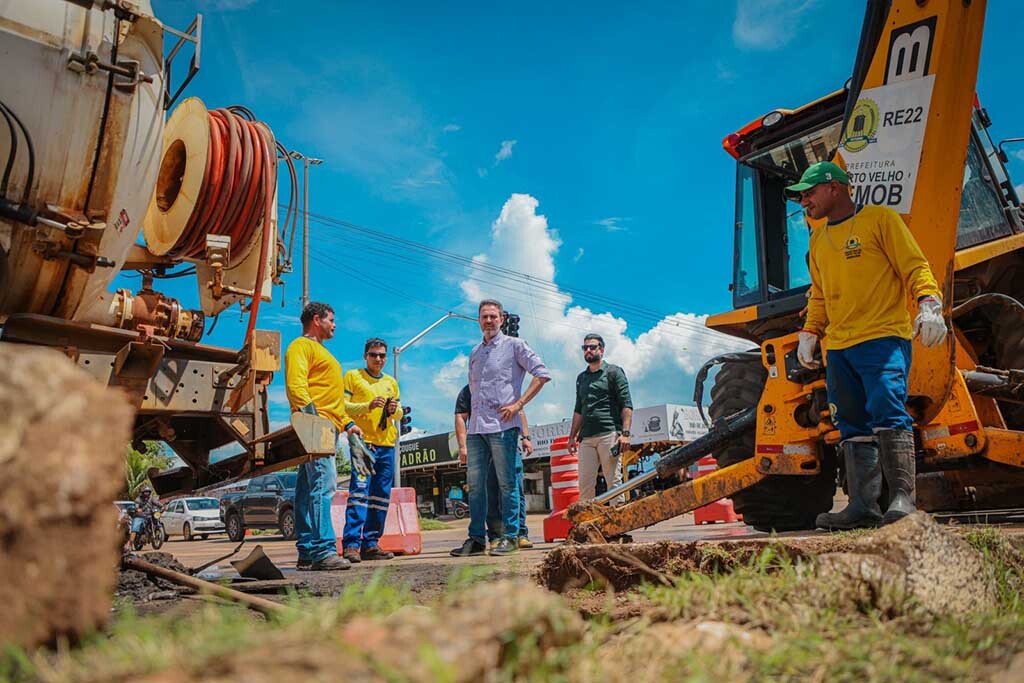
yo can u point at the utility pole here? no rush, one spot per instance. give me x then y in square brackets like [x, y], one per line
[306, 163]
[396, 353]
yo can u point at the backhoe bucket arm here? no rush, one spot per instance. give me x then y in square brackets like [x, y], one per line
[596, 523]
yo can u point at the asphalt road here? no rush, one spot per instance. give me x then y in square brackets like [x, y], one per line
[430, 571]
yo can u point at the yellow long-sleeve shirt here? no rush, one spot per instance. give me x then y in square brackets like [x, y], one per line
[863, 270]
[360, 389]
[313, 375]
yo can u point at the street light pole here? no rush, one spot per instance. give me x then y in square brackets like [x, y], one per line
[397, 352]
[306, 163]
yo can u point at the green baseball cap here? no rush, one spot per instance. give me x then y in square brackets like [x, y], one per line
[816, 174]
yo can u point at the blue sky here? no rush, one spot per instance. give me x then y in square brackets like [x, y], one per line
[577, 143]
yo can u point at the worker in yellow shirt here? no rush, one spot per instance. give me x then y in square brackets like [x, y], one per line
[864, 266]
[372, 399]
[313, 383]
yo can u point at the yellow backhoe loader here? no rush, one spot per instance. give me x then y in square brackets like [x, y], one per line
[913, 136]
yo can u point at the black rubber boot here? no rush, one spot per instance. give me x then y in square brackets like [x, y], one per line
[899, 469]
[864, 486]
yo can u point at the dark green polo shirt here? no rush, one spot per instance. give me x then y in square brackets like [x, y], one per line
[600, 398]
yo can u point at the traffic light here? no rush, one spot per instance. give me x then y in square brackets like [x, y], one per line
[510, 326]
[406, 420]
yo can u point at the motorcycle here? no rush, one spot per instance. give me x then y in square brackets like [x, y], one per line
[153, 532]
[459, 508]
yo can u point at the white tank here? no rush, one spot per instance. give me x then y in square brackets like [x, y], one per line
[43, 45]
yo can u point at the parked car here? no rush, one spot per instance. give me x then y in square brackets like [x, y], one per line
[192, 517]
[268, 502]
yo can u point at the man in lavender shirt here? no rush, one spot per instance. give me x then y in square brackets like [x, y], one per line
[497, 367]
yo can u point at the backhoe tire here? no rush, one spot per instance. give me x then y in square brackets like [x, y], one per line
[1008, 344]
[783, 502]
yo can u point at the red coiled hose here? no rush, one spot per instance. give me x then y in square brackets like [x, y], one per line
[236, 194]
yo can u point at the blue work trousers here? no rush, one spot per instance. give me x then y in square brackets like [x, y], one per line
[501, 451]
[494, 531]
[867, 386]
[314, 490]
[368, 499]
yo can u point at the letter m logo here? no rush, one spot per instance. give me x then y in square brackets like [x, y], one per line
[910, 51]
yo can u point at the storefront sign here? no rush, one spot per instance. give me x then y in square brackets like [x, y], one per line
[430, 451]
[666, 422]
[544, 435]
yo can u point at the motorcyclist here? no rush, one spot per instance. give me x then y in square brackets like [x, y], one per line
[145, 505]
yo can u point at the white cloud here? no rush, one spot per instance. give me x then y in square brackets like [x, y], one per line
[277, 395]
[768, 24]
[505, 152]
[612, 223]
[482, 172]
[578, 256]
[659, 362]
[452, 376]
[451, 128]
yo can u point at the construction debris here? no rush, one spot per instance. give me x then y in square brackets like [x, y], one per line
[62, 441]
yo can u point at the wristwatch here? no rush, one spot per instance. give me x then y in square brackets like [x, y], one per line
[626, 433]
[525, 437]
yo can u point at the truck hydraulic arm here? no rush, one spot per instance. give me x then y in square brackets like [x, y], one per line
[595, 521]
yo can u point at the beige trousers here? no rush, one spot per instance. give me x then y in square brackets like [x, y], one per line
[597, 451]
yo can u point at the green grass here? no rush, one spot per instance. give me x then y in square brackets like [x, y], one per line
[429, 524]
[813, 634]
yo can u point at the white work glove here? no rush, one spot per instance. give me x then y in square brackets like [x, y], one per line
[805, 350]
[929, 322]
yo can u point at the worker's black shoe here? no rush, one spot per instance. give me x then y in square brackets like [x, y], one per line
[331, 563]
[863, 485]
[470, 548]
[303, 565]
[375, 553]
[899, 469]
[506, 546]
[352, 555]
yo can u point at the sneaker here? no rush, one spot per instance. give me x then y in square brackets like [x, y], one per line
[303, 565]
[493, 543]
[470, 548]
[352, 555]
[331, 563]
[525, 542]
[375, 553]
[506, 546]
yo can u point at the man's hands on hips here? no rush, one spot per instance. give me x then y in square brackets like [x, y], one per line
[805, 350]
[506, 413]
[929, 322]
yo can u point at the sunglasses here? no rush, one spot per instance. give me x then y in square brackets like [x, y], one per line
[377, 355]
[590, 347]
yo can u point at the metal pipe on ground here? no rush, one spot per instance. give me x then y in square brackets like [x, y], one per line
[262, 605]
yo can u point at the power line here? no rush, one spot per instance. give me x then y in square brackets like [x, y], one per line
[548, 285]
[670, 320]
[689, 332]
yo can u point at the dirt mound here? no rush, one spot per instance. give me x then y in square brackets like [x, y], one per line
[623, 566]
[910, 565]
[139, 586]
[62, 441]
[660, 652]
[508, 623]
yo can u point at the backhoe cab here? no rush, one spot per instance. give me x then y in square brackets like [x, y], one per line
[915, 139]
